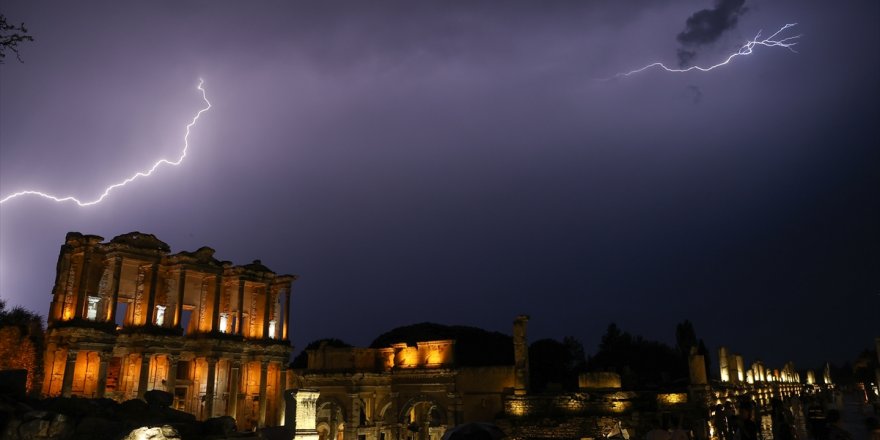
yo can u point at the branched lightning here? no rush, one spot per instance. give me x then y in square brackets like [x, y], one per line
[746, 49]
[134, 177]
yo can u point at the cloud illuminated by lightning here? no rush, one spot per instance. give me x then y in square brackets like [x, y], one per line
[134, 177]
[746, 49]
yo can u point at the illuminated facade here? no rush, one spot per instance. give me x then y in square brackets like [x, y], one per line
[400, 392]
[128, 316]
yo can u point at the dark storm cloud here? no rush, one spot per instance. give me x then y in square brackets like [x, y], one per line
[707, 25]
[685, 56]
[694, 93]
[434, 33]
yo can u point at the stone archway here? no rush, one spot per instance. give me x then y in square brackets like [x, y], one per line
[423, 418]
[386, 413]
[324, 430]
[331, 413]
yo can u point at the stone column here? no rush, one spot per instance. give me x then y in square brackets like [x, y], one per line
[306, 402]
[105, 294]
[234, 386]
[722, 364]
[240, 307]
[264, 374]
[101, 386]
[740, 368]
[451, 413]
[215, 315]
[521, 355]
[69, 288]
[151, 298]
[268, 303]
[209, 386]
[286, 316]
[50, 358]
[282, 384]
[732, 371]
[877, 371]
[181, 290]
[83, 283]
[144, 376]
[69, 367]
[697, 364]
[334, 422]
[59, 291]
[354, 418]
[114, 287]
[171, 377]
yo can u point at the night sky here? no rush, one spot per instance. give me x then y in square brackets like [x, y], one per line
[463, 162]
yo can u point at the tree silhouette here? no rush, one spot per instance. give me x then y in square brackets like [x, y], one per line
[10, 36]
[554, 362]
[685, 337]
[641, 363]
[686, 340]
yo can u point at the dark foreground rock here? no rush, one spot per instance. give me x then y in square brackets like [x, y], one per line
[219, 426]
[75, 418]
[158, 398]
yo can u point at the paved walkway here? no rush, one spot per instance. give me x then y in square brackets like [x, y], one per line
[853, 414]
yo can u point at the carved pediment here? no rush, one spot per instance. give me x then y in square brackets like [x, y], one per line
[142, 241]
[204, 255]
[257, 266]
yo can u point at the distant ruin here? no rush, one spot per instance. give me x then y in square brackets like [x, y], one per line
[416, 390]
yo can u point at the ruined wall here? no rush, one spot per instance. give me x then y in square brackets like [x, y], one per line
[342, 358]
[564, 428]
[427, 354]
[569, 404]
[17, 351]
[596, 414]
[482, 391]
[599, 380]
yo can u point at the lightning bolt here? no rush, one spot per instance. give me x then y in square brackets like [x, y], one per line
[134, 177]
[746, 49]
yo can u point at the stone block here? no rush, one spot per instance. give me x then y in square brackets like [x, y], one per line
[158, 398]
[164, 432]
[224, 425]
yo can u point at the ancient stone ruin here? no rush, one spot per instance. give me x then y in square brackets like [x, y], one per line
[128, 316]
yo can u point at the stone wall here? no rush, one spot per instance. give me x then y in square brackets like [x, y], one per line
[585, 427]
[17, 351]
